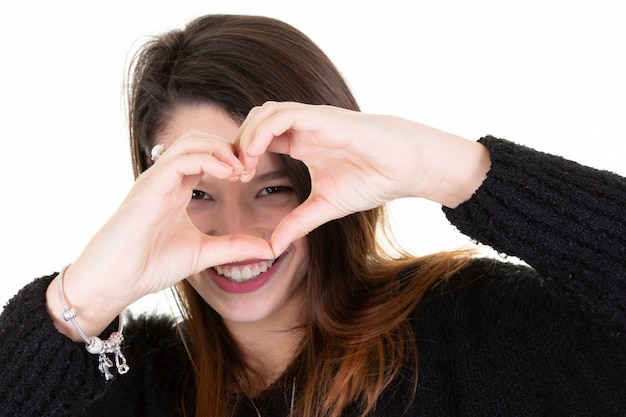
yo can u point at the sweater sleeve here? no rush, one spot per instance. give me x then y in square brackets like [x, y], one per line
[565, 220]
[42, 372]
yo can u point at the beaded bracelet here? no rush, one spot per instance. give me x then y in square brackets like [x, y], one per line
[94, 344]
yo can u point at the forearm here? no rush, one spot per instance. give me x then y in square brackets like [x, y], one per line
[564, 219]
[42, 372]
[456, 167]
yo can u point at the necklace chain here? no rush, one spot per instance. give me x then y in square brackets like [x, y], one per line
[293, 398]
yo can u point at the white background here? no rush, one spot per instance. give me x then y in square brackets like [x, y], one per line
[548, 74]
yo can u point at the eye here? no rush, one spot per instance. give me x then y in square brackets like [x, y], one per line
[275, 190]
[199, 195]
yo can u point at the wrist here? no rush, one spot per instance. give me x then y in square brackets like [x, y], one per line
[457, 170]
[93, 344]
[471, 163]
[94, 311]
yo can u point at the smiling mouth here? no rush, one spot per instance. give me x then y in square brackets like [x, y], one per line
[243, 273]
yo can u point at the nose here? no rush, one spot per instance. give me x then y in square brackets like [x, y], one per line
[231, 217]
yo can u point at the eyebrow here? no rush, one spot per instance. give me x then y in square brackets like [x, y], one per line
[271, 175]
[267, 176]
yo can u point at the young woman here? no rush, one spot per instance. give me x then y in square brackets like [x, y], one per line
[260, 196]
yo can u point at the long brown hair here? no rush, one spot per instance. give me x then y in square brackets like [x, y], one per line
[357, 336]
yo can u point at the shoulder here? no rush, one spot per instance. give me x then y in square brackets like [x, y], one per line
[153, 340]
[159, 369]
[491, 293]
[155, 351]
[490, 278]
[151, 327]
[504, 326]
[496, 278]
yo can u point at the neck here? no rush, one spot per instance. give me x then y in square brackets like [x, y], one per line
[269, 346]
[269, 360]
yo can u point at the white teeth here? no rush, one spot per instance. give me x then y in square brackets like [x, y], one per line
[244, 272]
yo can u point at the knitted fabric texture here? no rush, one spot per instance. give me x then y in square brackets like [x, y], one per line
[497, 339]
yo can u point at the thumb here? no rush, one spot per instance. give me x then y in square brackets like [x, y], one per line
[218, 250]
[309, 215]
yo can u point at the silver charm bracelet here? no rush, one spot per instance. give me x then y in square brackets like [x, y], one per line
[94, 344]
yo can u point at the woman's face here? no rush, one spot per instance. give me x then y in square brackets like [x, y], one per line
[255, 290]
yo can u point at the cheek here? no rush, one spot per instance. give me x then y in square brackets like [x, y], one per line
[301, 247]
[199, 218]
[248, 218]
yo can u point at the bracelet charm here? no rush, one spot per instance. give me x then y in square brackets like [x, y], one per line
[95, 345]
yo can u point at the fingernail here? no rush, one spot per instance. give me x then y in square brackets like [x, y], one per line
[246, 174]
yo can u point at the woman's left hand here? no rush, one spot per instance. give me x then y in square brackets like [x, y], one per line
[358, 161]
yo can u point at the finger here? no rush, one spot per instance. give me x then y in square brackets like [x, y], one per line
[277, 127]
[311, 214]
[245, 125]
[245, 134]
[171, 173]
[202, 143]
[218, 250]
[279, 145]
[169, 183]
[264, 124]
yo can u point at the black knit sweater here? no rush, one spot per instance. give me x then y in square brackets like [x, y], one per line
[498, 339]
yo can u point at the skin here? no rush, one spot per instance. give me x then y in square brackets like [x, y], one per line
[241, 222]
[349, 172]
[262, 321]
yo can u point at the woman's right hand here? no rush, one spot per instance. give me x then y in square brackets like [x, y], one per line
[150, 243]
